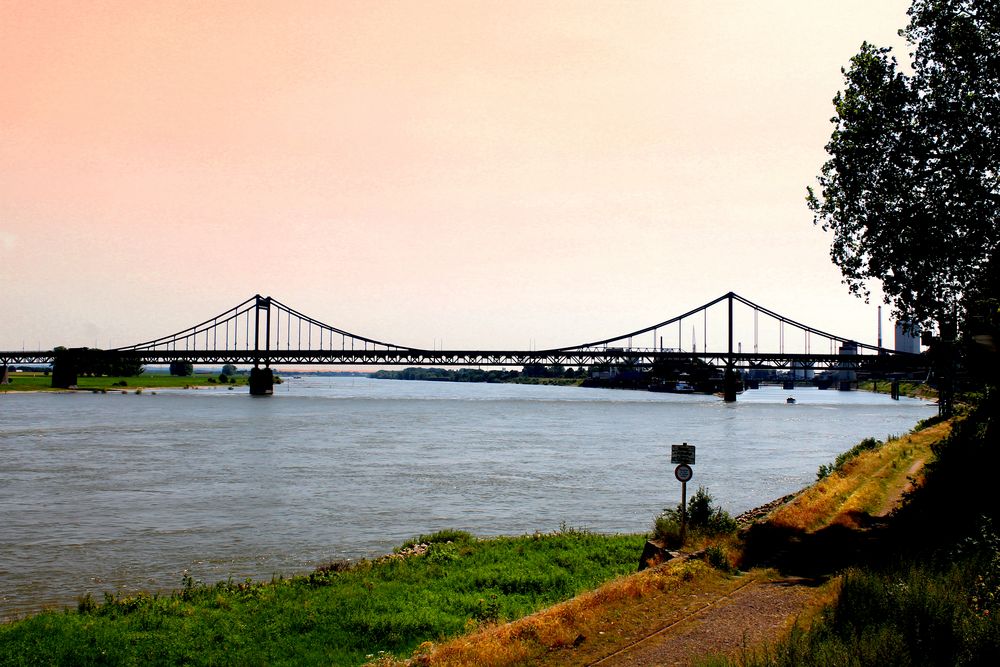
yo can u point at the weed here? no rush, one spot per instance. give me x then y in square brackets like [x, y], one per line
[865, 445]
[338, 614]
[702, 519]
[717, 557]
[447, 535]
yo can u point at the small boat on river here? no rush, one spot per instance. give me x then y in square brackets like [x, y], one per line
[678, 387]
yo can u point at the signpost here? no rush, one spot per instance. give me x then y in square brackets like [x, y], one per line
[683, 456]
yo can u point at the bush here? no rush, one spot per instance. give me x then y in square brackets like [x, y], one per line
[865, 445]
[440, 537]
[667, 528]
[702, 518]
[718, 558]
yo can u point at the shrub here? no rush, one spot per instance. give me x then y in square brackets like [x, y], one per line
[702, 518]
[441, 536]
[865, 445]
[667, 528]
[718, 558]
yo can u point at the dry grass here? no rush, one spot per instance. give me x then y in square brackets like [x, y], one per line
[868, 485]
[594, 624]
[590, 624]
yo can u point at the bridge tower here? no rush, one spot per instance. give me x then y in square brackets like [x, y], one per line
[729, 379]
[262, 379]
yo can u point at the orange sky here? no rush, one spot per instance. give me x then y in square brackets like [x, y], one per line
[482, 174]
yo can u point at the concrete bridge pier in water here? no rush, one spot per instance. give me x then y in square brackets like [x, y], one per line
[261, 381]
[729, 385]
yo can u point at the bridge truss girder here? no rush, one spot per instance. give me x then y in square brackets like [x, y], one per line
[620, 357]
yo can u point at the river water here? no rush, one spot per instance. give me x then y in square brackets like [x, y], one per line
[112, 492]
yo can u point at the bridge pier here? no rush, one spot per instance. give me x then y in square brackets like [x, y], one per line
[729, 386]
[261, 381]
[65, 367]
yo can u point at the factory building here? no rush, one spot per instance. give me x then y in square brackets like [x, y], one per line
[907, 340]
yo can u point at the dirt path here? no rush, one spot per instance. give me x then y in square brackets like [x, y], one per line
[757, 612]
[894, 499]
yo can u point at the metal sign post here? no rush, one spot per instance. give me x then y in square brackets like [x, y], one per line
[683, 456]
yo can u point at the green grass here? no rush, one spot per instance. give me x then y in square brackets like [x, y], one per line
[337, 615]
[906, 388]
[41, 382]
[934, 598]
[915, 615]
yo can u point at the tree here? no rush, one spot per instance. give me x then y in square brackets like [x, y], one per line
[911, 190]
[229, 370]
[126, 366]
[182, 368]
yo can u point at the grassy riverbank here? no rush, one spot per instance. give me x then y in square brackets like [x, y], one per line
[927, 591]
[911, 389]
[339, 615]
[42, 382]
[922, 583]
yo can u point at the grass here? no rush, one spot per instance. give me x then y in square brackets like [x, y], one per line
[906, 388]
[339, 615]
[933, 598]
[586, 627]
[448, 599]
[42, 382]
[917, 614]
[866, 483]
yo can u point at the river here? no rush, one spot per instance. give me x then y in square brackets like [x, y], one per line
[112, 492]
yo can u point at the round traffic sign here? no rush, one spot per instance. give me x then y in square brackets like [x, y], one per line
[683, 473]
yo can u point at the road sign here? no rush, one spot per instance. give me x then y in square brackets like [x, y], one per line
[682, 454]
[683, 473]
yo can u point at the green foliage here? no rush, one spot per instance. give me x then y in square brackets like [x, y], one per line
[337, 615]
[181, 368]
[910, 190]
[917, 615]
[125, 365]
[718, 558]
[702, 518]
[868, 444]
[229, 370]
[939, 603]
[667, 528]
[440, 537]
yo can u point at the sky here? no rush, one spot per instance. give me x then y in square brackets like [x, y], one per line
[456, 174]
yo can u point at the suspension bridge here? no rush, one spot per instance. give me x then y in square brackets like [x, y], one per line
[263, 331]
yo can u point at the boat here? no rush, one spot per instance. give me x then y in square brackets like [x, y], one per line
[790, 400]
[679, 387]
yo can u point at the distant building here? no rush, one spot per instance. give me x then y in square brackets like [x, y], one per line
[803, 370]
[907, 340]
[846, 369]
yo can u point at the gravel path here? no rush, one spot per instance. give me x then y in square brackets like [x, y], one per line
[755, 613]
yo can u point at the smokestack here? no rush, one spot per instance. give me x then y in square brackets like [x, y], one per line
[880, 326]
